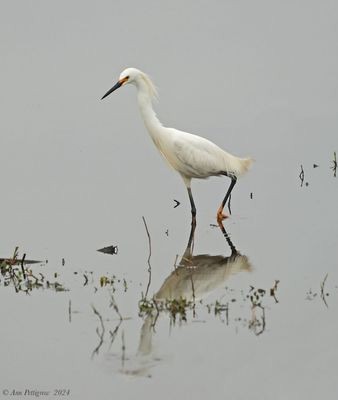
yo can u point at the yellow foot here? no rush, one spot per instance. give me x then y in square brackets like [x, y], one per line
[221, 217]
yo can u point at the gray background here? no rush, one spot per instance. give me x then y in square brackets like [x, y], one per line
[259, 78]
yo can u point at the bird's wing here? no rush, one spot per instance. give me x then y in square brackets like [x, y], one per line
[196, 156]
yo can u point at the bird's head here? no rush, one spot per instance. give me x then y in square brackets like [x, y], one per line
[135, 77]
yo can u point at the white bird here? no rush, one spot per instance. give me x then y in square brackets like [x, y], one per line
[190, 155]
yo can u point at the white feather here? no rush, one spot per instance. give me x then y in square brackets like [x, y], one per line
[191, 155]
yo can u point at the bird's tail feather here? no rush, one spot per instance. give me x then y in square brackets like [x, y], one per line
[237, 166]
[245, 165]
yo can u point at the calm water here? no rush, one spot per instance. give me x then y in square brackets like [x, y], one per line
[77, 174]
[232, 337]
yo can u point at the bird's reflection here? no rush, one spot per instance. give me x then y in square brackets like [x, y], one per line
[195, 277]
[198, 275]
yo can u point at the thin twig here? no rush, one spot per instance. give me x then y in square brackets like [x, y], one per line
[114, 305]
[15, 255]
[123, 357]
[70, 311]
[322, 294]
[334, 164]
[149, 257]
[99, 316]
[301, 176]
[113, 334]
[193, 295]
[101, 335]
[157, 314]
[22, 266]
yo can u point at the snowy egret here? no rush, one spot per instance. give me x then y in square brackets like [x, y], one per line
[190, 155]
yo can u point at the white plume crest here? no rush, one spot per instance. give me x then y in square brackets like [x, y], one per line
[150, 85]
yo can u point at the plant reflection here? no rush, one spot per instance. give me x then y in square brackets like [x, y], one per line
[22, 278]
[192, 280]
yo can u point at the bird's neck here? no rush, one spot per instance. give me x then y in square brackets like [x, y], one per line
[148, 114]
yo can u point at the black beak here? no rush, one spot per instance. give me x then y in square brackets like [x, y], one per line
[116, 86]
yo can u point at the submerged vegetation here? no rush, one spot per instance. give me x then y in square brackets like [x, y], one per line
[18, 273]
[22, 278]
[178, 309]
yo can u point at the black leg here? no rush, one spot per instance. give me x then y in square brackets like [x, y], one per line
[234, 251]
[192, 234]
[193, 208]
[232, 184]
[189, 250]
[229, 204]
[226, 198]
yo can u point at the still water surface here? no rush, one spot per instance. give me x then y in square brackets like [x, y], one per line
[257, 78]
[235, 316]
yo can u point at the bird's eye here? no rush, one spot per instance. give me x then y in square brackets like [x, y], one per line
[127, 77]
